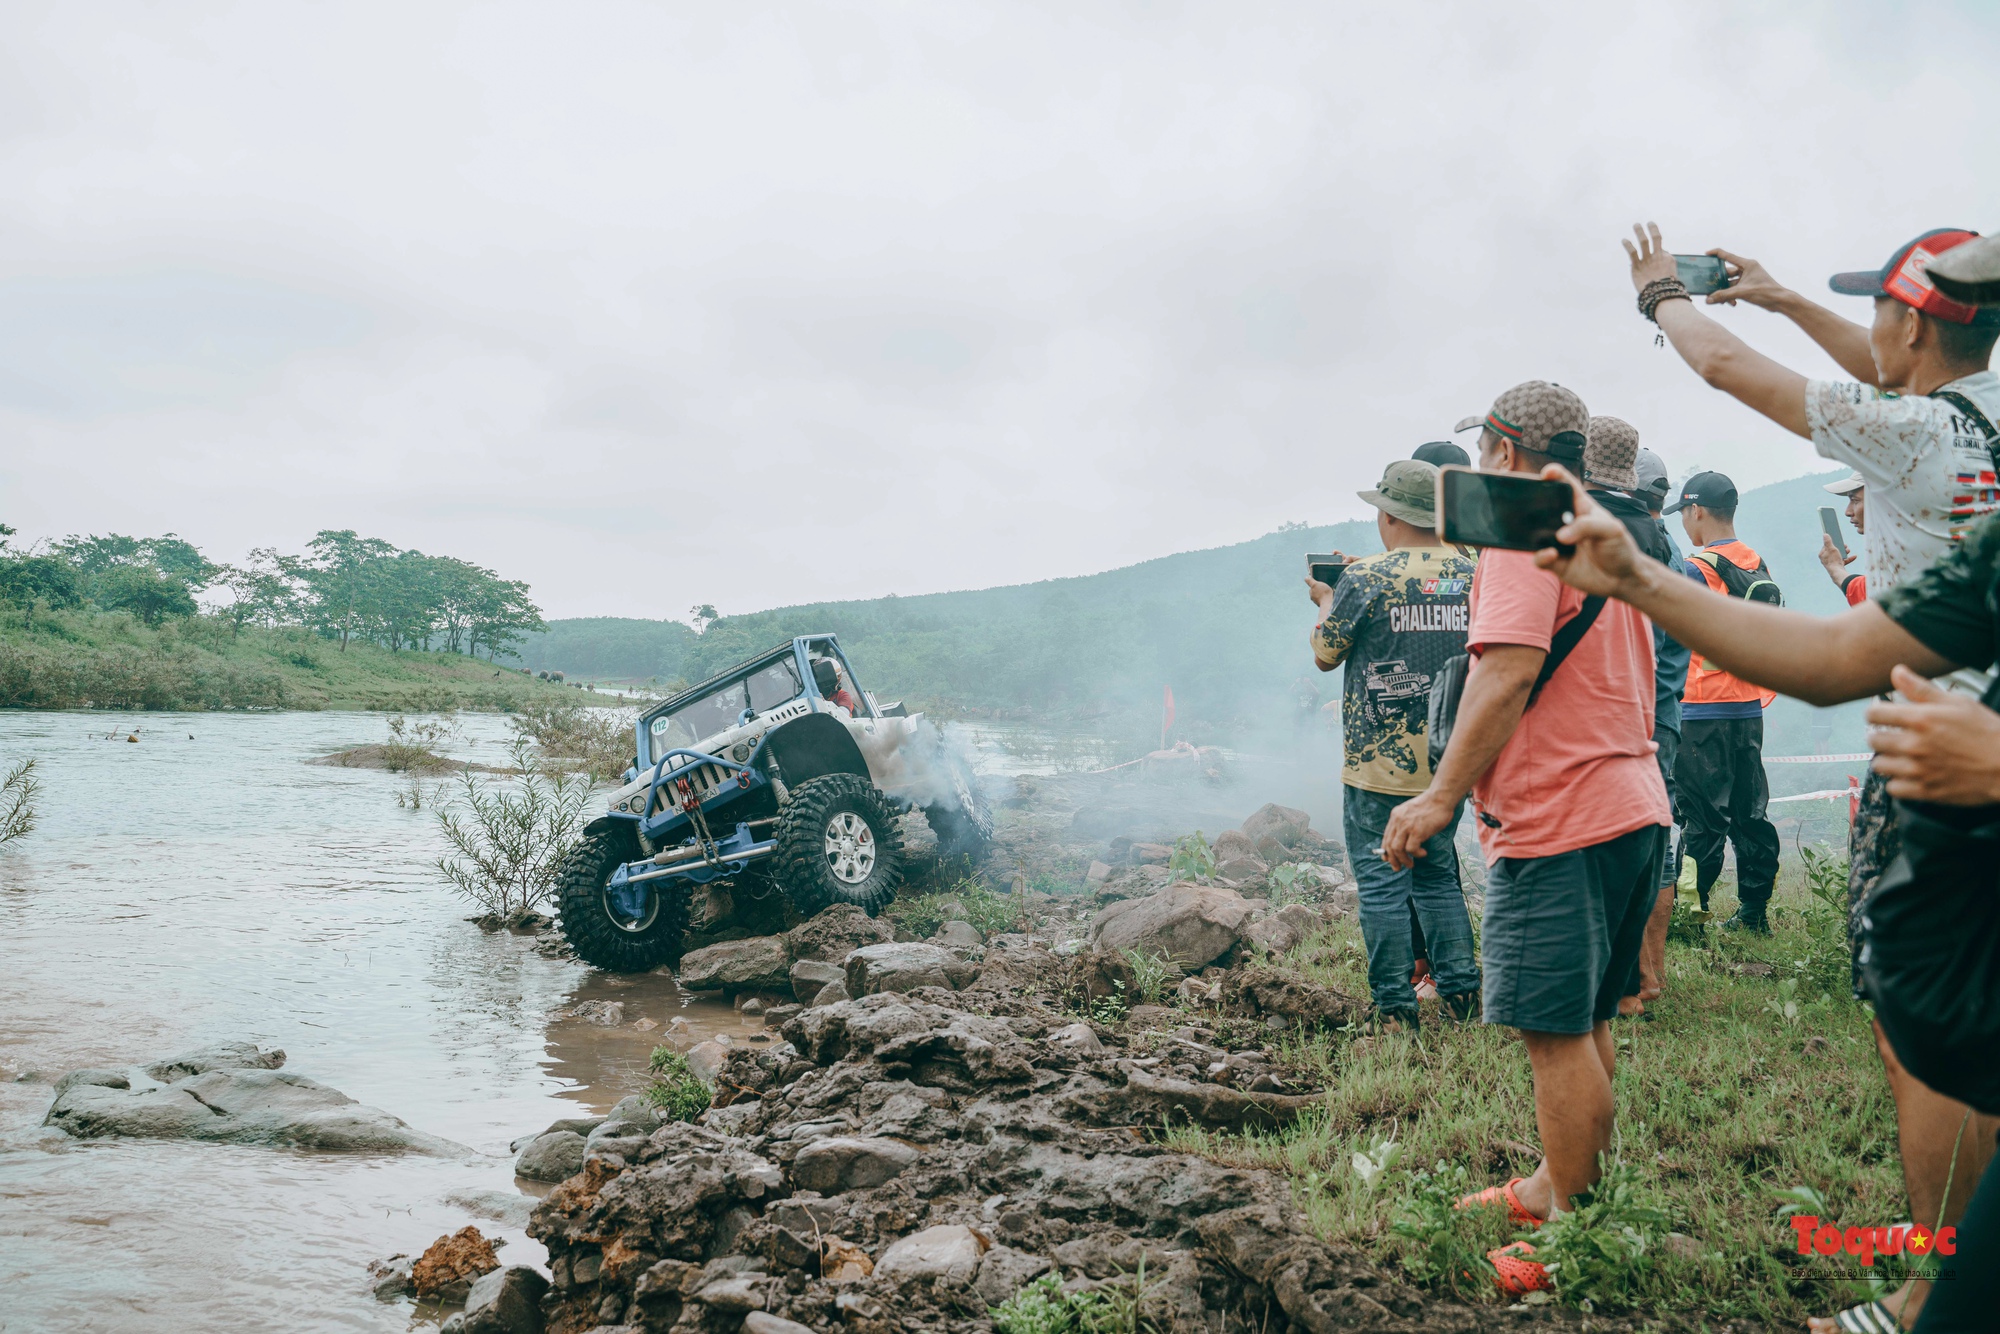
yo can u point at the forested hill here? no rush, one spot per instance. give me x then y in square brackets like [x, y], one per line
[1225, 627]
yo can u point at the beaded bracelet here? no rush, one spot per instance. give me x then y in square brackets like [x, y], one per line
[1658, 290]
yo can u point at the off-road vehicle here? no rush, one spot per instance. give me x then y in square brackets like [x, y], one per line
[779, 774]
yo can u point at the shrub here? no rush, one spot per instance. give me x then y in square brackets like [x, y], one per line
[575, 735]
[922, 914]
[18, 791]
[675, 1090]
[508, 839]
[1152, 973]
[1597, 1252]
[1445, 1246]
[413, 744]
[1044, 1308]
[1193, 859]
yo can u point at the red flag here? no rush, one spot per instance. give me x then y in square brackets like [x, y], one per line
[1167, 717]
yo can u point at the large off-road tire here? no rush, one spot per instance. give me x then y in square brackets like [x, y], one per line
[601, 935]
[838, 843]
[963, 824]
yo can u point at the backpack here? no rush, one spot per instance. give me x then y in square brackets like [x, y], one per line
[1750, 585]
[1976, 417]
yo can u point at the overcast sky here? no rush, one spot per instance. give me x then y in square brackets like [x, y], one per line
[653, 304]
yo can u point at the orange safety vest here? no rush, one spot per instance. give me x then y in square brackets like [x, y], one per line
[1707, 683]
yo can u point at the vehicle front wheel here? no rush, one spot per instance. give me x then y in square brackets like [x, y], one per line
[632, 932]
[837, 843]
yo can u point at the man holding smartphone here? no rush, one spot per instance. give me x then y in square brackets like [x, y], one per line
[1394, 620]
[1571, 809]
[1853, 587]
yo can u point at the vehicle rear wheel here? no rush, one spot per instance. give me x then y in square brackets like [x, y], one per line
[837, 843]
[964, 826]
[634, 932]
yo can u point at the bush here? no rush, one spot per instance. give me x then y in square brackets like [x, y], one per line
[575, 735]
[508, 839]
[1044, 1308]
[1444, 1246]
[1193, 859]
[413, 744]
[675, 1090]
[18, 791]
[922, 914]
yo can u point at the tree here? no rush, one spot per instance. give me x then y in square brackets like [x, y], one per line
[143, 591]
[38, 581]
[264, 589]
[703, 616]
[336, 579]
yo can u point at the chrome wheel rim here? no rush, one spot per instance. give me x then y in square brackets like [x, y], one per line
[850, 848]
[631, 925]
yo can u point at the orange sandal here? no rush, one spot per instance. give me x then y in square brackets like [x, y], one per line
[1517, 1213]
[1515, 1273]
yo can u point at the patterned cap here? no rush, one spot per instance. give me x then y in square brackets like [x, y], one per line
[1543, 417]
[1610, 455]
[1408, 491]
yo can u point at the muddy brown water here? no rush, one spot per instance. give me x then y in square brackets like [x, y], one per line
[205, 884]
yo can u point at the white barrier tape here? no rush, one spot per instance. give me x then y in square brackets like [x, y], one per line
[1819, 759]
[1831, 794]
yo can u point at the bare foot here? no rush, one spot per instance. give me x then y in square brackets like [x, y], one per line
[1630, 1005]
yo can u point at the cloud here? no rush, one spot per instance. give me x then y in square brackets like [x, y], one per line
[652, 305]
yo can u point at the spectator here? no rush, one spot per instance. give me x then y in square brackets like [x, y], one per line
[1394, 619]
[1925, 459]
[1555, 748]
[1442, 454]
[1942, 749]
[1853, 587]
[1719, 775]
[1613, 463]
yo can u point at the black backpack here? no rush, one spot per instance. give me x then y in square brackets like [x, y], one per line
[1750, 585]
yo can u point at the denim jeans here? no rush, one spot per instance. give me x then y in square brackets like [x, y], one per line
[1387, 896]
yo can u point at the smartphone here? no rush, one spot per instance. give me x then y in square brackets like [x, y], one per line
[1327, 569]
[1510, 510]
[1701, 274]
[1829, 519]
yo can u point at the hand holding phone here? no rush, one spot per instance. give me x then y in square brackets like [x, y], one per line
[1701, 274]
[1514, 511]
[1829, 519]
[1327, 568]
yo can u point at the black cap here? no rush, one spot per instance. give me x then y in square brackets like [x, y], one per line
[1442, 454]
[1710, 490]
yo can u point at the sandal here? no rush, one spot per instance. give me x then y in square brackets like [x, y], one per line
[1517, 1213]
[1867, 1318]
[1515, 1273]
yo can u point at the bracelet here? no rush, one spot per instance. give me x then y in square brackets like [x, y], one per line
[1658, 290]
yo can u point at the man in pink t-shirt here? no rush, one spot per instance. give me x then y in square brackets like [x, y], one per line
[1571, 811]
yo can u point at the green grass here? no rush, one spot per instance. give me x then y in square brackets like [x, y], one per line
[109, 660]
[970, 899]
[675, 1090]
[1724, 1100]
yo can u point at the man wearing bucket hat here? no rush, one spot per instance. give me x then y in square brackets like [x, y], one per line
[1394, 620]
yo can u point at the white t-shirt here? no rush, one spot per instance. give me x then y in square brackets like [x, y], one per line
[1929, 471]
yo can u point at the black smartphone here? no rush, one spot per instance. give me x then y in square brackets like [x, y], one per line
[1511, 510]
[1701, 274]
[1327, 568]
[1829, 519]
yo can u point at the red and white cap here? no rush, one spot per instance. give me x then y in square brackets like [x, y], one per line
[1905, 278]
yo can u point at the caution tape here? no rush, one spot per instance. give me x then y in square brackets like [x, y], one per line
[1819, 759]
[1830, 794]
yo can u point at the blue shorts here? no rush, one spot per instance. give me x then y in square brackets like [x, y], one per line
[1561, 934]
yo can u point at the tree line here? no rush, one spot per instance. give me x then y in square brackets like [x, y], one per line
[343, 587]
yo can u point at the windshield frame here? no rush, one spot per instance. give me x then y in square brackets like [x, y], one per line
[800, 651]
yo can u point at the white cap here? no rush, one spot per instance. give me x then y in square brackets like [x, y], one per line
[1847, 485]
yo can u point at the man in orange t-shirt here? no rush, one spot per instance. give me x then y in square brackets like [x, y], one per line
[1719, 774]
[1572, 812]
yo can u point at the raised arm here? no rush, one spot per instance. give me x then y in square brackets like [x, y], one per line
[1842, 339]
[1718, 356]
[1822, 660]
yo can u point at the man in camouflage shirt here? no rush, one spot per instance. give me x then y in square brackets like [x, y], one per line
[1394, 620]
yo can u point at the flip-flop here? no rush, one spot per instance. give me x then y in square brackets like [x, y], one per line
[1517, 1275]
[1867, 1318]
[1517, 1213]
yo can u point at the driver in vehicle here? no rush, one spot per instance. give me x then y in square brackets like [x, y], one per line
[828, 677]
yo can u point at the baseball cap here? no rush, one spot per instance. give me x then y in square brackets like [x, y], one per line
[1408, 491]
[1710, 490]
[1611, 448]
[1651, 471]
[1970, 272]
[1906, 278]
[1467, 423]
[1543, 417]
[1442, 454]
[1847, 485]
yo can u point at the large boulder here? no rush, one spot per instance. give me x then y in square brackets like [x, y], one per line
[1284, 930]
[1191, 925]
[1274, 831]
[556, 1156]
[505, 1301]
[207, 1099]
[951, 1251]
[899, 966]
[831, 934]
[761, 963]
[839, 1163]
[810, 975]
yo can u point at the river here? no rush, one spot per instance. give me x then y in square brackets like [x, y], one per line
[203, 884]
